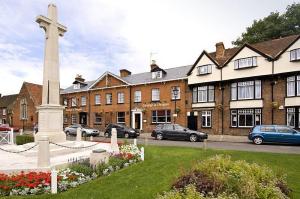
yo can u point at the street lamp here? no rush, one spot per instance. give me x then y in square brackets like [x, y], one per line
[175, 94]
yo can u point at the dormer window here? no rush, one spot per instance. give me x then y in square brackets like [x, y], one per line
[295, 54]
[77, 86]
[157, 74]
[204, 69]
[245, 62]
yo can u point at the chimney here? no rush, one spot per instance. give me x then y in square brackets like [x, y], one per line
[220, 50]
[79, 78]
[124, 73]
[153, 65]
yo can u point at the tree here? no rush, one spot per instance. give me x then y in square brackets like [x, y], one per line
[272, 27]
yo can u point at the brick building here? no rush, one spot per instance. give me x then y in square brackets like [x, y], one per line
[25, 113]
[138, 100]
[235, 89]
[6, 106]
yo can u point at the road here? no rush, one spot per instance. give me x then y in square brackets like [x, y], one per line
[241, 146]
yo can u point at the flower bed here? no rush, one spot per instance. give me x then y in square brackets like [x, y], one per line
[32, 183]
[220, 178]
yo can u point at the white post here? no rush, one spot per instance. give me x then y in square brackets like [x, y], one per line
[114, 141]
[21, 131]
[142, 153]
[134, 141]
[53, 181]
[91, 138]
[43, 152]
[11, 136]
[78, 134]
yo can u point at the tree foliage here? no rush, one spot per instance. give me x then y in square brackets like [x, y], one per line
[274, 26]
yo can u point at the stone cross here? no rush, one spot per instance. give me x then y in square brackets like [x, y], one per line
[51, 62]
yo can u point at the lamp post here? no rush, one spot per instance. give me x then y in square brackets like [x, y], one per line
[175, 94]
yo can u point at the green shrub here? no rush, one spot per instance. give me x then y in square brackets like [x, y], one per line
[23, 139]
[116, 162]
[100, 168]
[82, 168]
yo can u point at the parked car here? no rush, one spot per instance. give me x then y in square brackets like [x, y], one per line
[177, 132]
[85, 130]
[122, 131]
[274, 133]
[6, 127]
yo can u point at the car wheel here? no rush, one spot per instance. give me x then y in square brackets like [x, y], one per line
[193, 138]
[106, 135]
[159, 136]
[126, 135]
[84, 134]
[258, 140]
[67, 133]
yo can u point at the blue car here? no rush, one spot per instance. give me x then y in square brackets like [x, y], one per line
[274, 133]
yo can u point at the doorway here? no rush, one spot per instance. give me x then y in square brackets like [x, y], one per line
[83, 118]
[192, 122]
[137, 121]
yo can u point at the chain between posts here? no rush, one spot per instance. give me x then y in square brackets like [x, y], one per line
[69, 147]
[18, 151]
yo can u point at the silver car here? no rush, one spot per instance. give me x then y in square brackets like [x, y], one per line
[85, 130]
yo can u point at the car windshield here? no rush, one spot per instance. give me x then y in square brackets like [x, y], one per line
[178, 127]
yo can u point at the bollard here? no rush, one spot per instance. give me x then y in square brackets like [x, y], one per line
[142, 153]
[134, 141]
[114, 141]
[21, 131]
[78, 134]
[53, 181]
[43, 152]
[205, 144]
[91, 138]
[11, 136]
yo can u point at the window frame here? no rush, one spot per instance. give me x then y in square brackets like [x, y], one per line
[97, 98]
[237, 87]
[206, 90]
[153, 95]
[83, 97]
[73, 102]
[121, 97]
[123, 117]
[207, 71]
[254, 112]
[208, 116]
[237, 63]
[139, 97]
[108, 98]
[295, 83]
[297, 55]
[167, 116]
[98, 116]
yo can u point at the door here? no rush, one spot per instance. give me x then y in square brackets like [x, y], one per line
[192, 122]
[108, 118]
[83, 118]
[287, 134]
[137, 121]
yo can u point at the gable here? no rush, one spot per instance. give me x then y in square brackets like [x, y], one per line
[200, 61]
[107, 80]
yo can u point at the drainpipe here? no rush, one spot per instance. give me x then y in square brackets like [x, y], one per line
[272, 91]
[130, 115]
[89, 108]
[222, 101]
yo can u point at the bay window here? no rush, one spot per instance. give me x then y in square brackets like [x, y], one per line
[246, 90]
[203, 94]
[161, 116]
[293, 86]
[245, 117]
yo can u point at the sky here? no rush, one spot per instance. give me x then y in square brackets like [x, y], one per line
[109, 35]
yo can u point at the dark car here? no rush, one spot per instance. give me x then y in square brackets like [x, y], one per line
[177, 132]
[122, 131]
[6, 127]
[85, 130]
[274, 133]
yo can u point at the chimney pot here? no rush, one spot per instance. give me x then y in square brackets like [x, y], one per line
[79, 78]
[220, 50]
[153, 65]
[124, 73]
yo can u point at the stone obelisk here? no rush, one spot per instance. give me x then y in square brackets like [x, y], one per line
[51, 112]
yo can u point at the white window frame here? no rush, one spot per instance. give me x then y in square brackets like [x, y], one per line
[291, 86]
[295, 54]
[155, 117]
[118, 118]
[155, 94]
[65, 101]
[73, 119]
[108, 97]
[137, 96]
[247, 62]
[157, 74]
[83, 100]
[256, 115]
[73, 102]
[291, 112]
[246, 90]
[76, 86]
[206, 118]
[204, 69]
[172, 93]
[97, 99]
[121, 97]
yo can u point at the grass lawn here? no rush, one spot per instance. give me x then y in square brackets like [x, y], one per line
[163, 165]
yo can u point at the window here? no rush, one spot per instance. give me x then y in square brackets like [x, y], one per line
[83, 101]
[245, 62]
[108, 98]
[293, 86]
[65, 101]
[157, 75]
[246, 90]
[97, 99]
[267, 129]
[178, 92]
[161, 116]
[120, 98]
[4, 112]
[203, 94]
[205, 69]
[290, 117]
[283, 129]
[155, 94]
[23, 111]
[73, 119]
[245, 117]
[98, 118]
[121, 117]
[76, 86]
[206, 118]
[295, 54]
[73, 102]
[66, 119]
[137, 96]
